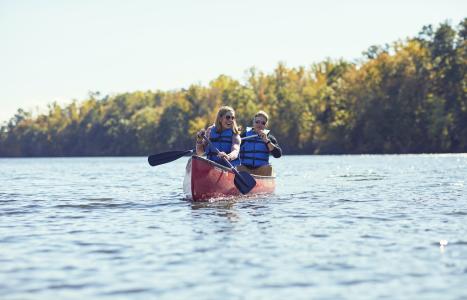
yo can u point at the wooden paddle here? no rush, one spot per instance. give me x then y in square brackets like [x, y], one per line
[242, 180]
[166, 157]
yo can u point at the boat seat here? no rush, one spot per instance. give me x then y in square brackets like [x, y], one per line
[261, 171]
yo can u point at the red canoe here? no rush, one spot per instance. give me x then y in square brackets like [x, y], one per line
[205, 179]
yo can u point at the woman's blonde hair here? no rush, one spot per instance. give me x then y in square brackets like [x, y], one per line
[220, 114]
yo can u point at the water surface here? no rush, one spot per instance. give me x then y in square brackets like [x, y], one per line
[338, 227]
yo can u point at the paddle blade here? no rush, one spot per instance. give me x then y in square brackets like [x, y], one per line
[165, 157]
[244, 182]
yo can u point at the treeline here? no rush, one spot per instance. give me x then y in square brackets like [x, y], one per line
[407, 97]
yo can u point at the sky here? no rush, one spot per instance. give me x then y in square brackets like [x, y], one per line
[60, 50]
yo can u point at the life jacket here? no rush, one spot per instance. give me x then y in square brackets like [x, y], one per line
[254, 152]
[223, 142]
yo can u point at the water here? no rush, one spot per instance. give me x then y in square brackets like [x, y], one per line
[338, 227]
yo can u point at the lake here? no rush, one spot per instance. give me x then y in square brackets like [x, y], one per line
[338, 227]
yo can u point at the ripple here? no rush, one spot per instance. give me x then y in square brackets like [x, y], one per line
[374, 218]
[92, 244]
[105, 251]
[68, 286]
[373, 237]
[357, 200]
[417, 275]
[330, 267]
[13, 212]
[361, 177]
[3, 201]
[128, 291]
[457, 213]
[300, 216]
[101, 199]
[367, 179]
[360, 281]
[461, 243]
[95, 205]
[289, 285]
[316, 235]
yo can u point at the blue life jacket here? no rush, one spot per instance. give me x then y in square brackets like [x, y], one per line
[254, 152]
[223, 142]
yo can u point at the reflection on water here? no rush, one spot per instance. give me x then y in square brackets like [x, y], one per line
[221, 207]
[338, 227]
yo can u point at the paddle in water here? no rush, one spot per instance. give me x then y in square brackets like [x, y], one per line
[166, 157]
[243, 180]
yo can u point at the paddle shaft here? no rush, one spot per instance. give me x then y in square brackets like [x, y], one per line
[165, 157]
[217, 152]
[225, 159]
[249, 137]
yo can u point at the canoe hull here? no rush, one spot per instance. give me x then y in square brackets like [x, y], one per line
[205, 179]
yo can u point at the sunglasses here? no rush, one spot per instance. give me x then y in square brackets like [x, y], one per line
[260, 122]
[229, 117]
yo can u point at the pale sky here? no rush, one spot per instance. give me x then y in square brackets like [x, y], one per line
[59, 50]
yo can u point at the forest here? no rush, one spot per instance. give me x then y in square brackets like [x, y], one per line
[405, 97]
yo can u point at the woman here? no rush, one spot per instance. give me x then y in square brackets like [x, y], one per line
[224, 135]
[255, 152]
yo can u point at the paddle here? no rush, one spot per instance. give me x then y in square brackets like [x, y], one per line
[242, 180]
[166, 157]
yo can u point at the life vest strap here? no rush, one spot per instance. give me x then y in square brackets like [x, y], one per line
[244, 157]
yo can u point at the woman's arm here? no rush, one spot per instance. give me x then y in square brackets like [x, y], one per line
[235, 150]
[276, 151]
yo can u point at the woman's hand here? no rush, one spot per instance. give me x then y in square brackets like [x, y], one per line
[199, 136]
[263, 136]
[223, 155]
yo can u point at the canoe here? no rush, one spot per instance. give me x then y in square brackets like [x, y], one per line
[205, 179]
